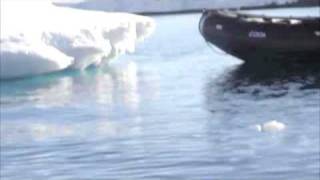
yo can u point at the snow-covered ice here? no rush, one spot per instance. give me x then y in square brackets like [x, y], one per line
[38, 37]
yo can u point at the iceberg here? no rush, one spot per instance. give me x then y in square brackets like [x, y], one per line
[38, 37]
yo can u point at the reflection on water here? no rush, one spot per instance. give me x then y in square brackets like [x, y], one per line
[267, 81]
[267, 91]
[24, 133]
[107, 92]
[302, 75]
[58, 90]
[42, 91]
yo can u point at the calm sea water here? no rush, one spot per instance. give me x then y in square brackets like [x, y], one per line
[174, 110]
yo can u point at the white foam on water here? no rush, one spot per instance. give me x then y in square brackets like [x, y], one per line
[38, 37]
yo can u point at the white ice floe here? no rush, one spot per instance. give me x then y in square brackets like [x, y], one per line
[38, 37]
[271, 126]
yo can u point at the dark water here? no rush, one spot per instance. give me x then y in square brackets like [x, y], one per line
[173, 110]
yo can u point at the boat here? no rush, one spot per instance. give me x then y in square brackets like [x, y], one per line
[254, 38]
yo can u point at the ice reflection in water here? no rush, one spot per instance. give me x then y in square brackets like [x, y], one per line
[105, 90]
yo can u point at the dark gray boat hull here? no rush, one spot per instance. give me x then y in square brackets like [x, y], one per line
[257, 38]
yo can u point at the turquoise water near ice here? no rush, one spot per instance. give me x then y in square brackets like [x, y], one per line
[175, 109]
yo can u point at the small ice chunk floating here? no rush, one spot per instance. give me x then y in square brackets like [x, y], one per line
[255, 37]
[38, 37]
[270, 126]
